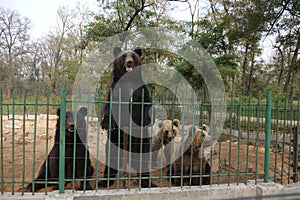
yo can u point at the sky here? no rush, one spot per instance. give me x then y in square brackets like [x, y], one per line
[43, 14]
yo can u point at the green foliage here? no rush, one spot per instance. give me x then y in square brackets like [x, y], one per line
[228, 68]
[211, 35]
[189, 72]
[100, 29]
[231, 32]
[227, 64]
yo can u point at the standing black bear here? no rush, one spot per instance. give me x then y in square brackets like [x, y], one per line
[127, 119]
[53, 157]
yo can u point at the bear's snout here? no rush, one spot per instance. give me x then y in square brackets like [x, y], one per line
[129, 65]
[129, 62]
[70, 125]
[169, 139]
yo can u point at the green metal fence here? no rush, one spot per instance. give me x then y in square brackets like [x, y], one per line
[259, 141]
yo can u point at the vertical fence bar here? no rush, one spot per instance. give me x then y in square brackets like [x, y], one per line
[295, 143]
[62, 140]
[182, 142]
[74, 149]
[47, 143]
[295, 155]
[35, 128]
[99, 103]
[1, 142]
[231, 108]
[249, 112]
[109, 135]
[34, 140]
[13, 146]
[151, 136]
[267, 135]
[23, 138]
[130, 140]
[290, 118]
[238, 127]
[85, 177]
[119, 138]
[277, 114]
[141, 138]
[258, 120]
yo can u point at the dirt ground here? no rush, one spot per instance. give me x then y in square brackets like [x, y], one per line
[18, 152]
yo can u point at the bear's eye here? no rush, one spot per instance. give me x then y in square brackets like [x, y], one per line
[203, 135]
[124, 56]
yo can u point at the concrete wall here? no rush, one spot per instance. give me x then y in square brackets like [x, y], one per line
[250, 191]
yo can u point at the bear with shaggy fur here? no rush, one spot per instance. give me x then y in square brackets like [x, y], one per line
[52, 169]
[191, 162]
[127, 115]
[163, 131]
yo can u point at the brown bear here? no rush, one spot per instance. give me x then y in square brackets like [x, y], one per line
[191, 164]
[82, 163]
[127, 115]
[162, 134]
[167, 130]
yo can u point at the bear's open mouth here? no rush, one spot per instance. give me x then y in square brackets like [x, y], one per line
[70, 128]
[129, 69]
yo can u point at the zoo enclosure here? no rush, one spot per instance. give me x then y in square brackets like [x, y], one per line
[259, 141]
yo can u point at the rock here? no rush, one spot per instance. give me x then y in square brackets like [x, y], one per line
[50, 117]
[6, 132]
[27, 140]
[15, 126]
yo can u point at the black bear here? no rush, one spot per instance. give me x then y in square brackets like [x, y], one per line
[128, 118]
[52, 169]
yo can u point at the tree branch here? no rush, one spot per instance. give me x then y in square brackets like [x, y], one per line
[284, 8]
[135, 14]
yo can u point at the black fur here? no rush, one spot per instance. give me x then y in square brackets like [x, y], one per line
[139, 112]
[53, 157]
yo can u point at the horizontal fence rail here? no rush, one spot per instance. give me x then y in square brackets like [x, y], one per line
[259, 141]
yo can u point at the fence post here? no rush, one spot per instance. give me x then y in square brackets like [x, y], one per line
[1, 145]
[296, 132]
[267, 134]
[62, 140]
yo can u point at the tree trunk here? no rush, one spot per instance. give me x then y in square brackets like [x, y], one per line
[251, 73]
[291, 68]
[245, 63]
[281, 66]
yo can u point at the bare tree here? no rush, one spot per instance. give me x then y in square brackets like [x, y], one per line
[14, 38]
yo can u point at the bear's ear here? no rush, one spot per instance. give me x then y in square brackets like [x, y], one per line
[117, 51]
[83, 111]
[159, 123]
[176, 122]
[138, 51]
[204, 127]
[58, 112]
